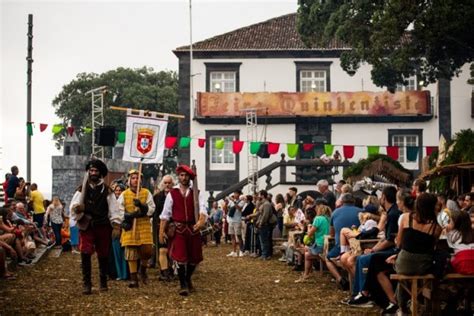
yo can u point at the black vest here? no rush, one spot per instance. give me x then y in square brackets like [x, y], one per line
[96, 205]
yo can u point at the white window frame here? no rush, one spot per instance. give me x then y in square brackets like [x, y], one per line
[411, 86]
[402, 141]
[312, 81]
[219, 82]
[221, 155]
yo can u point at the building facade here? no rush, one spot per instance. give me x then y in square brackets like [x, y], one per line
[270, 60]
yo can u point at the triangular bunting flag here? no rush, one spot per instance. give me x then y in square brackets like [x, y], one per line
[43, 127]
[121, 137]
[170, 142]
[219, 144]
[237, 146]
[348, 151]
[184, 142]
[308, 147]
[273, 148]
[328, 149]
[373, 150]
[57, 128]
[412, 153]
[392, 152]
[201, 142]
[87, 130]
[292, 150]
[254, 147]
[70, 130]
[431, 149]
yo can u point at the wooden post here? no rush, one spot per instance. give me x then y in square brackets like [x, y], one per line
[137, 194]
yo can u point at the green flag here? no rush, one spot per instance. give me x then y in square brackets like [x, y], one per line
[29, 128]
[57, 128]
[292, 150]
[185, 141]
[373, 150]
[219, 144]
[121, 137]
[254, 147]
[328, 149]
[88, 130]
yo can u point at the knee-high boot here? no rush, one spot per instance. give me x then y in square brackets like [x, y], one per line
[103, 265]
[184, 291]
[86, 273]
[143, 274]
[189, 272]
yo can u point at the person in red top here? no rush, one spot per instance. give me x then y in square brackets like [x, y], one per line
[185, 247]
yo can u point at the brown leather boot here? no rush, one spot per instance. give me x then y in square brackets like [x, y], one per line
[133, 281]
[143, 275]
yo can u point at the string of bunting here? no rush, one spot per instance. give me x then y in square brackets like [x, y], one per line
[272, 148]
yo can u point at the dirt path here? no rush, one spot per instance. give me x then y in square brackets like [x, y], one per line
[224, 286]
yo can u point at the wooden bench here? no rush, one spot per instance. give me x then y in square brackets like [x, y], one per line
[415, 285]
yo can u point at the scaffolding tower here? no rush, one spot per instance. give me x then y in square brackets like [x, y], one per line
[97, 100]
[252, 160]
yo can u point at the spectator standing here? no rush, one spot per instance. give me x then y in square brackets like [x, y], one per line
[280, 208]
[234, 218]
[37, 200]
[5, 187]
[13, 182]
[117, 249]
[265, 223]
[216, 217]
[55, 214]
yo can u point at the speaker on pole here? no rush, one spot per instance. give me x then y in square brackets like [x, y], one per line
[105, 136]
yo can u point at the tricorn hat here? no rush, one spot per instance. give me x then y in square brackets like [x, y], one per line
[96, 163]
[187, 169]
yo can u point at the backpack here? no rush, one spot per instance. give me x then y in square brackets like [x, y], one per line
[274, 217]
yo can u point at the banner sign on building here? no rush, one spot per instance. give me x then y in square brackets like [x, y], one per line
[313, 104]
[145, 139]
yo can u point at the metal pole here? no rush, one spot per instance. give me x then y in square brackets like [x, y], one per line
[191, 75]
[29, 59]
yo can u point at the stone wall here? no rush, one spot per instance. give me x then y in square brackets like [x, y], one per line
[68, 172]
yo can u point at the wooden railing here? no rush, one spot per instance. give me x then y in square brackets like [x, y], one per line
[308, 171]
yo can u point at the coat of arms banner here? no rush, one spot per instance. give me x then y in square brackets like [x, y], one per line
[145, 139]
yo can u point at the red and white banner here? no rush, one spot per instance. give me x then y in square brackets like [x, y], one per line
[145, 139]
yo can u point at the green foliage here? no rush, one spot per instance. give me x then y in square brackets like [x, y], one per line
[398, 38]
[141, 88]
[357, 168]
[463, 150]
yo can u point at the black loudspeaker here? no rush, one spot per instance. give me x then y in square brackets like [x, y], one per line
[105, 136]
[263, 151]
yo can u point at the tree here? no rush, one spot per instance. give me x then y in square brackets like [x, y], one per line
[399, 38]
[133, 88]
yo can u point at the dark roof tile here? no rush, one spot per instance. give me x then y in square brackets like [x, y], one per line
[279, 33]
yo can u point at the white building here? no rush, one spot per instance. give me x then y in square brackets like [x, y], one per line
[270, 57]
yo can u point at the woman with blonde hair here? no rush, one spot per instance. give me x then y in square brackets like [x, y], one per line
[55, 214]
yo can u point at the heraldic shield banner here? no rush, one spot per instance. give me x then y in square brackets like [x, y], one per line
[145, 139]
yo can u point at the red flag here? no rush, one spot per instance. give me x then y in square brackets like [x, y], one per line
[348, 151]
[308, 147]
[70, 130]
[237, 146]
[201, 142]
[392, 152]
[43, 127]
[273, 148]
[170, 141]
[430, 150]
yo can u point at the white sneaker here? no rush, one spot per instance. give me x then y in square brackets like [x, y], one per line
[245, 253]
[241, 254]
[232, 254]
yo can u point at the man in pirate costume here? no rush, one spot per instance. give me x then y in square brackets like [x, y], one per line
[138, 240]
[186, 243]
[96, 212]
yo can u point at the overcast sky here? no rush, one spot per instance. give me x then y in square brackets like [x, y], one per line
[71, 37]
